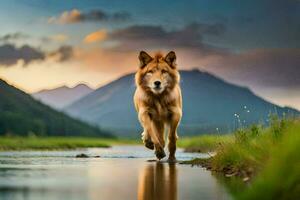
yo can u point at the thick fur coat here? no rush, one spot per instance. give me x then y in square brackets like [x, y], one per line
[158, 101]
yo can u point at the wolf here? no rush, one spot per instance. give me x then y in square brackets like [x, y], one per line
[158, 101]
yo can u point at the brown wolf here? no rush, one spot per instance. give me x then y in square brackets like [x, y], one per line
[158, 101]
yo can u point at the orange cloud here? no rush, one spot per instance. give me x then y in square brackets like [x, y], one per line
[66, 17]
[97, 36]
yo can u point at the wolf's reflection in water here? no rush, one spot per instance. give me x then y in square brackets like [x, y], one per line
[158, 181]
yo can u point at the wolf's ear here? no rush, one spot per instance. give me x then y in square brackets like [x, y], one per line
[171, 59]
[144, 59]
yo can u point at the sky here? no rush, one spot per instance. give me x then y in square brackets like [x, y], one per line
[253, 43]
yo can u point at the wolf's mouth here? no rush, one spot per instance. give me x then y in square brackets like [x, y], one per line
[157, 89]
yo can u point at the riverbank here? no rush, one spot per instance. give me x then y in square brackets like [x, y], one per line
[204, 143]
[197, 144]
[55, 143]
[268, 158]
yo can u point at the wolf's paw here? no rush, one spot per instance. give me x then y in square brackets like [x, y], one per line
[172, 159]
[149, 144]
[160, 153]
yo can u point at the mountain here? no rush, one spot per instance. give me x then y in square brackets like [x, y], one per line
[62, 96]
[20, 114]
[209, 105]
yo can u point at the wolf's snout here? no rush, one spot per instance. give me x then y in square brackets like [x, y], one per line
[157, 83]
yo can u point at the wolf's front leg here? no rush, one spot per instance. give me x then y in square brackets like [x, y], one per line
[151, 129]
[147, 140]
[158, 128]
[172, 136]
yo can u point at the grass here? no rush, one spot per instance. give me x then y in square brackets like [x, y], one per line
[204, 143]
[54, 143]
[268, 158]
[279, 176]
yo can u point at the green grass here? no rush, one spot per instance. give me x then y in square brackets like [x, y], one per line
[268, 157]
[204, 143]
[54, 143]
[279, 176]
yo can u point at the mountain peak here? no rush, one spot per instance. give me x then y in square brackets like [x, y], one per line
[62, 96]
[82, 85]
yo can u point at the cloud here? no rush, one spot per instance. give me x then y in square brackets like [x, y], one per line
[13, 36]
[76, 16]
[11, 54]
[24, 38]
[97, 36]
[258, 68]
[62, 54]
[67, 17]
[269, 68]
[119, 52]
[148, 36]
[59, 37]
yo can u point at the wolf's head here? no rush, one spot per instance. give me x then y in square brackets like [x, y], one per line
[157, 74]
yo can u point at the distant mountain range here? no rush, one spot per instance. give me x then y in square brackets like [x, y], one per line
[209, 105]
[20, 114]
[62, 96]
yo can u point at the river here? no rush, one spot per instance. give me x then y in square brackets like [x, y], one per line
[120, 173]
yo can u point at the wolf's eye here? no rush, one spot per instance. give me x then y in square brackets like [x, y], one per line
[163, 71]
[150, 71]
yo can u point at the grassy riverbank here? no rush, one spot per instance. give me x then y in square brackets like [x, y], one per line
[54, 143]
[204, 143]
[267, 157]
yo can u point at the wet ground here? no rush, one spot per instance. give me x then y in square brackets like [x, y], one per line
[121, 172]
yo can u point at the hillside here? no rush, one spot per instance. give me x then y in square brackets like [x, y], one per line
[21, 115]
[62, 96]
[209, 105]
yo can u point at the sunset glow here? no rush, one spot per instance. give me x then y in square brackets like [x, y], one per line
[52, 43]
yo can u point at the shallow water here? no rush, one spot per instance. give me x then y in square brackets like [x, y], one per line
[121, 172]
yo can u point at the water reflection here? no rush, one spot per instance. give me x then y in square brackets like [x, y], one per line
[158, 181]
[113, 176]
